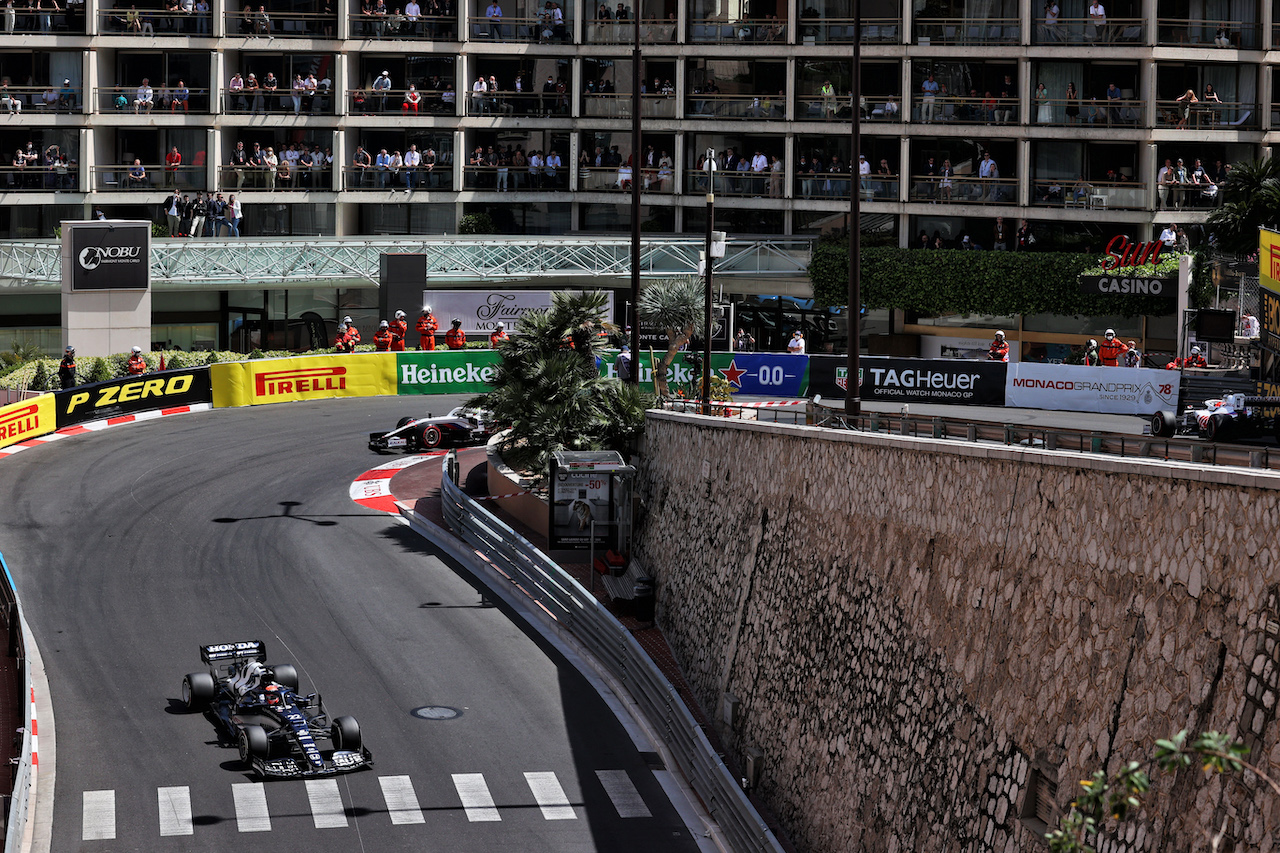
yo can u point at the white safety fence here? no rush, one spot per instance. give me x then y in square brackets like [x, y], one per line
[561, 599]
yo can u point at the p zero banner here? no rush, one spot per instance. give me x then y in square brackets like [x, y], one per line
[135, 394]
[109, 255]
[317, 377]
[27, 419]
[462, 372]
[481, 310]
[1075, 388]
[913, 380]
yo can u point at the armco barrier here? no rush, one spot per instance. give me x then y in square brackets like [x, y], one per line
[24, 779]
[560, 598]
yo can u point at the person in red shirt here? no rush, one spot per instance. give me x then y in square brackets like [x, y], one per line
[399, 329]
[999, 349]
[1111, 349]
[455, 338]
[136, 366]
[383, 337]
[172, 161]
[499, 334]
[1193, 360]
[427, 327]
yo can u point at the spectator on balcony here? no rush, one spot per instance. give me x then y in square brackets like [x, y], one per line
[1000, 235]
[1081, 191]
[411, 101]
[412, 12]
[10, 17]
[1213, 101]
[137, 177]
[253, 93]
[987, 109]
[235, 97]
[361, 163]
[551, 165]
[928, 98]
[1185, 102]
[1005, 104]
[202, 17]
[262, 23]
[284, 174]
[382, 166]
[828, 94]
[144, 98]
[269, 87]
[239, 162]
[478, 100]
[181, 95]
[379, 18]
[67, 96]
[1052, 33]
[173, 213]
[1113, 103]
[1044, 110]
[172, 163]
[299, 89]
[535, 169]
[271, 165]
[945, 176]
[1073, 104]
[246, 20]
[1098, 21]
[1222, 38]
[494, 14]
[309, 89]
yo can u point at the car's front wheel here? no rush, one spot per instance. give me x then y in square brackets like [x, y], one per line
[251, 742]
[432, 437]
[197, 690]
[345, 732]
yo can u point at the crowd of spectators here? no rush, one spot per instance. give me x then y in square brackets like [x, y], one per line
[43, 16]
[1178, 186]
[202, 216]
[392, 170]
[51, 99]
[301, 166]
[30, 169]
[508, 168]
[1001, 238]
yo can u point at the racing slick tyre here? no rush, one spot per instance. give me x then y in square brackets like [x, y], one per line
[288, 676]
[345, 732]
[411, 437]
[403, 422]
[1163, 424]
[197, 691]
[251, 743]
[431, 437]
[1218, 428]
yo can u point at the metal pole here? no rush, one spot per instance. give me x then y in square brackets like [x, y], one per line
[710, 262]
[853, 396]
[636, 157]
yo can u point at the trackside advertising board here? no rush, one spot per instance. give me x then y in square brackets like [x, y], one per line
[1269, 288]
[27, 419]
[462, 372]
[778, 374]
[317, 377]
[134, 394]
[912, 380]
[1108, 390]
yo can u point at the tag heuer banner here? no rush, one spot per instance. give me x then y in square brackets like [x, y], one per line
[912, 380]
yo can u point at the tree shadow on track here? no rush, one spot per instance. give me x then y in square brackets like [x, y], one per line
[287, 512]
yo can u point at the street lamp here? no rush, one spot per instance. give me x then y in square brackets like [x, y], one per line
[636, 184]
[853, 390]
[714, 249]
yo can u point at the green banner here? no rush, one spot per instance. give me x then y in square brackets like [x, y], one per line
[445, 372]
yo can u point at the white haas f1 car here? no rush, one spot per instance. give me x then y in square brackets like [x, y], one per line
[460, 427]
[1233, 416]
[277, 732]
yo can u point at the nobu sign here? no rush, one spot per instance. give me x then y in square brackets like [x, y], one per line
[109, 256]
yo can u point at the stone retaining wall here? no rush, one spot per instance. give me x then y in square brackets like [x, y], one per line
[919, 633]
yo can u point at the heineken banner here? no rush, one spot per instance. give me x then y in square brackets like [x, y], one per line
[461, 372]
[913, 380]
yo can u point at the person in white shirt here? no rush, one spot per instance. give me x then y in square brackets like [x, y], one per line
[1249, 326]
[535, 169]
[550, 166]
[272, 163]
[145, 98]
[478, 100]
[795, 346]
[1098, 20]
[759, 165]
[382, 86]
[864, 169]
[411, 160]
[299, 89]
[1169, 236]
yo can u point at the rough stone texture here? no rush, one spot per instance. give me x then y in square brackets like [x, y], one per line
[910, 625]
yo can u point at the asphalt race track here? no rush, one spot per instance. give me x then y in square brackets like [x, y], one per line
[133, 546]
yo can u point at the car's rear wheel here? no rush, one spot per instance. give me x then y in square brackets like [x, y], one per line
[432, 437]
[1218, 428]
[345, 732]
[288, 676]
[197, 690]
[251, 742]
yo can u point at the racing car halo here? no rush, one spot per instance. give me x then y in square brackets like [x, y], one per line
[461, 426]
[278, 732]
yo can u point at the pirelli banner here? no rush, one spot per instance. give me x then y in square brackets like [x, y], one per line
[165, 390]
[1107, 390]
[317, 377]
[27, 419]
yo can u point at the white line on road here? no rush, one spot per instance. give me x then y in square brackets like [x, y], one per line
[475, 797]
[402, 802]
[626, 799]
[550, 796]
[99, 819]
[175, 811]
[251, 807]
[326, 803]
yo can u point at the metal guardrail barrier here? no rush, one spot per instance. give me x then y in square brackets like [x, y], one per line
[564, 600]
[24, 769]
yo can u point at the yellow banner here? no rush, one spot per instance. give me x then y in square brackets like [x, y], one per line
[317, 377]
[1269, 260]
[25, 420]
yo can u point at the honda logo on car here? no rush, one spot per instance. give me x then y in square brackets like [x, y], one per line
[110, 395]
[20, 422]
[303, 381]
[411, 374]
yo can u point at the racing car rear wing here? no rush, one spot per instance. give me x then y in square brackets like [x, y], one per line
[246, 650]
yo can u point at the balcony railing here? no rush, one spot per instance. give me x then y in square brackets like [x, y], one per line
[320, 103]
[153, 22]
[836, 108]
[1190, 32]
[841, 31]
[1188, 193]
[42, 101]
[1207, 115]
[40, 179]
[154, 177]
[525, 30]
[717, 31]
[966, 110]
[164, 101]
[283, 178]
[1091, 195]
[610, 31]
[964, 189]
[425, 28]
[968, 31]
[618, 179]
[618, 105]
[1091, 111]
[819, 184]
[740, 183]
[735, 106]
[517, 103]
[280, 24]
[372, 179]
[26, 21]
[1086, 31]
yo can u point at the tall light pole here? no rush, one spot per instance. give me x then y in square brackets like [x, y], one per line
[636, 182]
[853, 391]
[709, 261]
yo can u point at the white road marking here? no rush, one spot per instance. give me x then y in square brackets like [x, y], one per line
[402, 802]
[326, 803]
[251, 807]
[550, 796]
[475, 797]
[623, 794]
[99, 819]
[175, 811]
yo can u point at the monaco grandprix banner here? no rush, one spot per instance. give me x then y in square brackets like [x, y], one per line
[913, 380]
[1108, 390]
[461, 372]
[27, 419]
[316, 377]
[101, 400]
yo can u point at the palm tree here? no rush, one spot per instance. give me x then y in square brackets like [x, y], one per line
[548, 386]
[1250, 199]
[675, 305]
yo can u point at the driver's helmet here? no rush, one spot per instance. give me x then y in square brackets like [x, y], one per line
[275, 696]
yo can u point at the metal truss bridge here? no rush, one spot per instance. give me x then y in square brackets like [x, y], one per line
[256, 263]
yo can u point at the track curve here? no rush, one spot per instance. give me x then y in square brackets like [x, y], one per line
[133, 546]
